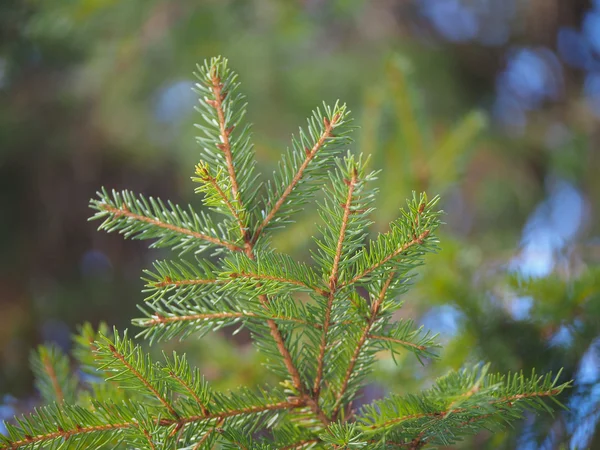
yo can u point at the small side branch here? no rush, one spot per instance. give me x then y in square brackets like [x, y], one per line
[509, 401]
[333, 285]
[363, 338]
[178, 422]
[261, 277]
[416, 241]
[144, 381]
[49, 368]
[310, 155]
[124, 212]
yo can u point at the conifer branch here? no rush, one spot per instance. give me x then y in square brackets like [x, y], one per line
[321, 351]
[190, 390]
[367, 329]
[205, 177]
[225, 147]
[158, 320]
[178, 422]
[207, 435]
[49, 368]
[508, 401]
[64, 434]
[416, 241]
[333, 281]
[118, 355]
[149, 439]
[397, 341]
[329, 125]
[123, 211]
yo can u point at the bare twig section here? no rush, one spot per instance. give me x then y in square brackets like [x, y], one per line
[144, 381]
[363, 338]
[119, 212]
[333, 285]
[49, 368]
[310, 154]
[418, 240]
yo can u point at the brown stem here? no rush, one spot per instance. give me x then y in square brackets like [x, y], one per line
[117, 212]
[149, 439]
[199, 444]
[310, 154]
[225, 147]
[170, 282]
[333, 280]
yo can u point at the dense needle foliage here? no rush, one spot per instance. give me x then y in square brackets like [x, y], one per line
[320, 326]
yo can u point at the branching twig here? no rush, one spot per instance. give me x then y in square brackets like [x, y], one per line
[118, 212]
[333, 285]
[310, 154]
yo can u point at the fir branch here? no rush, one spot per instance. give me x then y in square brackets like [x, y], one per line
[402, 247]
[207, 435]
[144, 379]
[217, 103]
[333, 281]
[321, 130]
[459, 397]
[359, 346]
[142, 218]
[68, 427]
[215, 195]
[54, 378]
[269, 274]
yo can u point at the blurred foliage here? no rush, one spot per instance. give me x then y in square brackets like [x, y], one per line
[97, 92]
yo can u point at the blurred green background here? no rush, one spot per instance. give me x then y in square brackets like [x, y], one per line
[494, 104]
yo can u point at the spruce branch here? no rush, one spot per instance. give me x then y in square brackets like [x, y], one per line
[333, 278]
[402, 247]
[458, 401]
[301, 161]
[359, 346]
[141, 218]
[53, 376]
